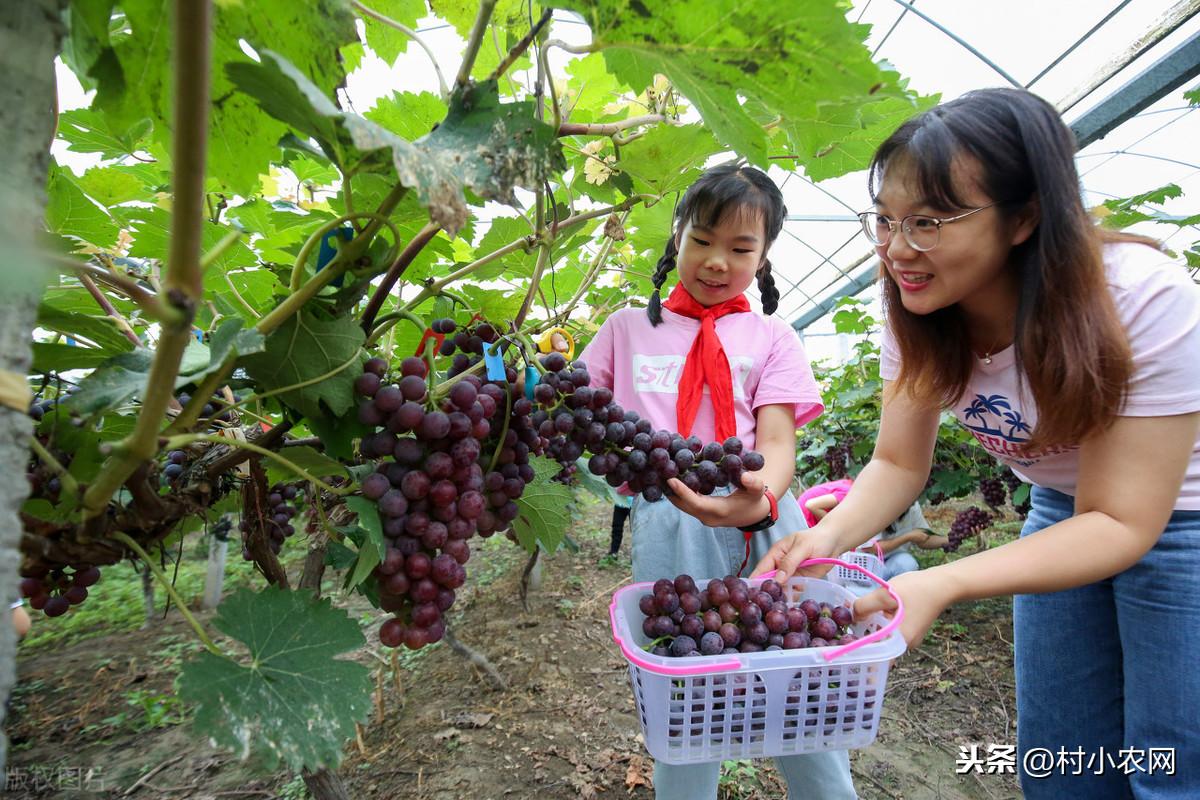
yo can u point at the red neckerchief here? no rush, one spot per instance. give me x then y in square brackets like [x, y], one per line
[706, 363]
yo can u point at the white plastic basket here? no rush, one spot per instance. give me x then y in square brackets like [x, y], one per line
[752, 705]
[866, 562]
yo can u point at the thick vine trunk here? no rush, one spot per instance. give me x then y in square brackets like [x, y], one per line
[30, 35]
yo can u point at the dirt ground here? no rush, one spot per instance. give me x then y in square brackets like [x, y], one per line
[563, 725]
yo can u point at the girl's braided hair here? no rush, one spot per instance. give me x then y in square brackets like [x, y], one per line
[724, 189]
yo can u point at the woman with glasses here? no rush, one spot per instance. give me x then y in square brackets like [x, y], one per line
[1072, 355]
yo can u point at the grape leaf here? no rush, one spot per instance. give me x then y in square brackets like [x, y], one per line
[124, 377]
[59, 357]
[809, 66]
[304, 348]
[388, 42]
[112, 185]
[668, 159]
[503, 231]
[372, 547]
[545, 508]
[290, 699]
[409, 116]
[102, 330]
[314, 462]
[72, 214]
[88, 131]
[481, 145]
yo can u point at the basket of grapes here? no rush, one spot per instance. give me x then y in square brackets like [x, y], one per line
[731, 669]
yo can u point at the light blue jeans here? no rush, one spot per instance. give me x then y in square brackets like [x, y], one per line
[667, 542]
[1112, 666]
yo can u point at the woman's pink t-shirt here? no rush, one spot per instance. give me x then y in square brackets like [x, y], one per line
[1159, 307]
[642, 364]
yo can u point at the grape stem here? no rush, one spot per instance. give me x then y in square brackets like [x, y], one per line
[388, 320]
[66, 478]
[281, 389]
[476, 39]
[345, 255]
[178, 442]
[503, 428]
[129, 542]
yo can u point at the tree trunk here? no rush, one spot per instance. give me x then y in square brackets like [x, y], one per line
[30, 37]
[314, 564]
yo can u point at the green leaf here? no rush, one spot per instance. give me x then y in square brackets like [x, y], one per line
[124, 377]
[72, 214]
[338, 433]
[305, 348]
[591, 87]
[229, 339]
[504, 231]
[112, 185]
[481, 145]
[58, 357]
[388, 42]
[1192, 96]
[409, 116]
[494, 303]
[290, 699]
[87, 39]
[312, 461]
[89, 131]
[809, 66]
[544, 508]
[373, 547]
[102, 330]
[667, 158]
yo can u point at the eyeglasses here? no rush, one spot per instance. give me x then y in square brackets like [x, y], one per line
[922, 232]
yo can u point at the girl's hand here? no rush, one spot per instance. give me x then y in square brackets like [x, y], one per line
[787, 554]
[743, 506]
[925, 596]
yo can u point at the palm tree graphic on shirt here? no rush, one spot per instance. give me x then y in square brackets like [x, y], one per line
[997, 406]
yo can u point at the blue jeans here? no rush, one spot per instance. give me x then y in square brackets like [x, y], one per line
[666, 542]
[1109, 666]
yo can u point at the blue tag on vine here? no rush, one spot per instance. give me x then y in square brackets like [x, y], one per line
[328, 251]
[494, 362]
[531, 379]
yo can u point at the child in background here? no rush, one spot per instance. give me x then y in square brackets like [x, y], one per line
[703, 363]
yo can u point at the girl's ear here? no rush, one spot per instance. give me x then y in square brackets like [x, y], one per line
[1027, 220]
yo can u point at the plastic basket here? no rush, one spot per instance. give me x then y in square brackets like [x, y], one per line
[866, 563]
[752, 705]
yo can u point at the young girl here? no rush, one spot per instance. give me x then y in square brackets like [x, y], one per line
[703, 363]
[1072, 355]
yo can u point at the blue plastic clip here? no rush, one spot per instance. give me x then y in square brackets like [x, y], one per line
[328, 251]
[493, 362]
[531, 379]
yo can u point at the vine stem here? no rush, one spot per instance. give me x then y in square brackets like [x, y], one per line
[316, 237]
[521, 46]
[415, 245]
[593, 271]
[410, 33]
[129, 542]
[183, 285]
[527, 304]
[579, 50]
[388, 320]
[608, 129]
[438, 286]
[66, 478]
[476, 39]
[184, 439]
[109, 308]
[280, 390]
[146, 300]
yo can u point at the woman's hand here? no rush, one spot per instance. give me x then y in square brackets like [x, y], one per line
[787, 554]
[925, 594]
[745, 505]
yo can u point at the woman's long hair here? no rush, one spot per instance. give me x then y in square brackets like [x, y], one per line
[1069, 342]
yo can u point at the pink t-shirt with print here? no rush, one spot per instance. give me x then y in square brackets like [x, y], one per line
[642, 363]
[1159, 306]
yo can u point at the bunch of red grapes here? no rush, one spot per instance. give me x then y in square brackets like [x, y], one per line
[966, 524]
[53, 591]
[730, 616]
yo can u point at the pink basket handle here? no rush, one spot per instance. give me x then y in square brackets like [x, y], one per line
[871, 637]
[636, 655]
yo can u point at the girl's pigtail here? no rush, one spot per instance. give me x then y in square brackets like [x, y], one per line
[665, 264]
[767, 290]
